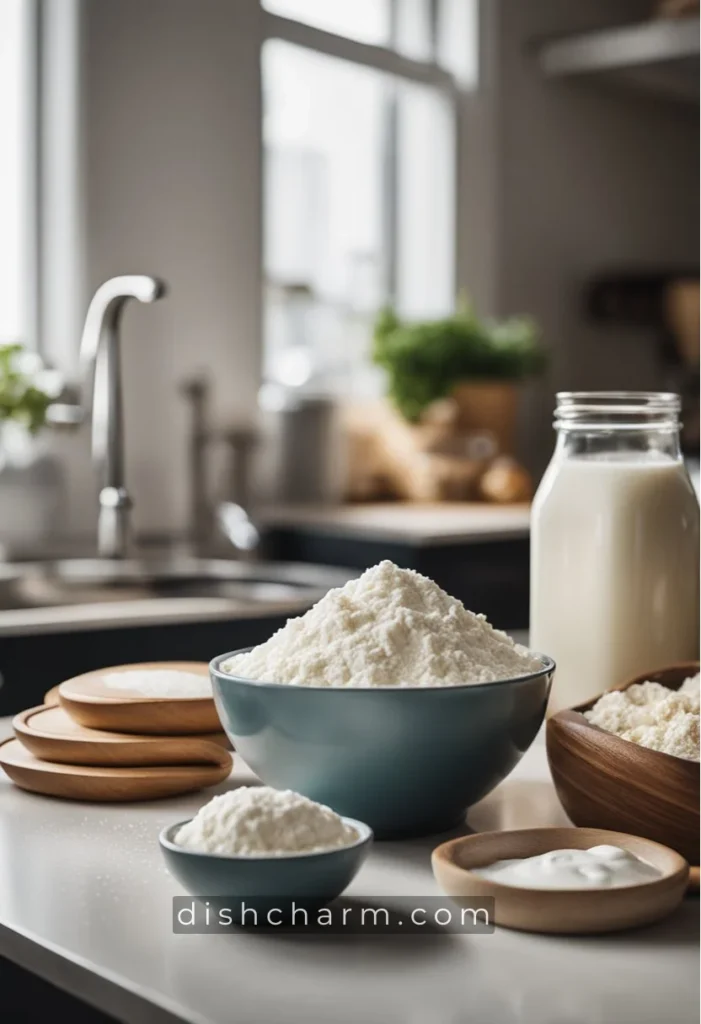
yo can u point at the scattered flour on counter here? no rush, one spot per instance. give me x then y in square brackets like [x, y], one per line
[258, 821]
[653, 716]
[159, 683]
[390, 627]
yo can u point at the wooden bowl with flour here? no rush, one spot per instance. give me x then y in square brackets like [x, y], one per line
[604, 781]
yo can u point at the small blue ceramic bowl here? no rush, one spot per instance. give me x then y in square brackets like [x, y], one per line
[408, 761]
[304, 879]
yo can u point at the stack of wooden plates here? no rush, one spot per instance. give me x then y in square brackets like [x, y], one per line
[90, 741]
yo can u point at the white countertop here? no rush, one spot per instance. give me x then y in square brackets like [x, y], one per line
[404, 522]
[85, 901]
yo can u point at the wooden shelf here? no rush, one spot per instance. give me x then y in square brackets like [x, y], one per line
[656, 56]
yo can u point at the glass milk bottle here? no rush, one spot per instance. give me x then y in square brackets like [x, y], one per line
[614, 544]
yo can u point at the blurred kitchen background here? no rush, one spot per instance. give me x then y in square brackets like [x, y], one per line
[466, 205]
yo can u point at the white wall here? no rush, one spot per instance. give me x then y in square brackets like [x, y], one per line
[590, 178]
[172, 166]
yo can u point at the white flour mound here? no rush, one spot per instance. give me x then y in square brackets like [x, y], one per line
[159, 683]
[258, 821]
[653, 716]
[390, 627]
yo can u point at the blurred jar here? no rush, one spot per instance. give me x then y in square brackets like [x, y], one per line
[300, 452]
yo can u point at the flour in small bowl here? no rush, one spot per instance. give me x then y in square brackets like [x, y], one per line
[258, 821]
[159, 682]
[390, 627]
[653, 716]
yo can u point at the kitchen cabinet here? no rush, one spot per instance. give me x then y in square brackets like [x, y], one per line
[478, 553]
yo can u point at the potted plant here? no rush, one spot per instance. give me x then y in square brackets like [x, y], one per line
[477, 363]
[25, 394]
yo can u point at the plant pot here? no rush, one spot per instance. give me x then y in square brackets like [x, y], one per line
[489, 405]
[30, 491]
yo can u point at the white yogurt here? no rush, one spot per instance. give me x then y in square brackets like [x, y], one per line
[599, 867]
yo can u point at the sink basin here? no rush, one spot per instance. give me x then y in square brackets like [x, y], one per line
[233, 587]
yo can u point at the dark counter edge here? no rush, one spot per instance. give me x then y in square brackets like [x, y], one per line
[111, 996]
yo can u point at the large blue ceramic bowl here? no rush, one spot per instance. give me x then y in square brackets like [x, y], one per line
[408, 761]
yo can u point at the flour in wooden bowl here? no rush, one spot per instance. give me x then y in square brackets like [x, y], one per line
[653, 716]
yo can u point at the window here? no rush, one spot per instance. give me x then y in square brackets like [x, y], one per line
[359, 191]
[365, 20]
[16, 174]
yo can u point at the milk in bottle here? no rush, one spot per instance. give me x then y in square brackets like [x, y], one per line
[614, 545]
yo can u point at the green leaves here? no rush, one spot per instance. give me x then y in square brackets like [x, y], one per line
[425, 361]
[20, 398]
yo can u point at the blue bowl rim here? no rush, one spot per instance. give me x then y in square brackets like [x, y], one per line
[365, 837]
[547, 669]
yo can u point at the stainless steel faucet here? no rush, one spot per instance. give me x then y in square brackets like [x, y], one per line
[99, 359]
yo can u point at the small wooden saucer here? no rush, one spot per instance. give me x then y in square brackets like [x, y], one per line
[564, 911]
[52, 735]
[78, 782]
[91, 703]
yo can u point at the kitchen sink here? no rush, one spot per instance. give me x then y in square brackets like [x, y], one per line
[239, 587]
[60, 618]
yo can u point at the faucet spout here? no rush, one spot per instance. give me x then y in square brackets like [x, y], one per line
[100, 359]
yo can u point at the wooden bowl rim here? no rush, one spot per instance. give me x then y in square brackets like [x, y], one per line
[575, 715]
[445, 855]
[82, 698]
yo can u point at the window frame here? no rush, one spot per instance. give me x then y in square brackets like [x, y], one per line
[370, 55]
[390, 62]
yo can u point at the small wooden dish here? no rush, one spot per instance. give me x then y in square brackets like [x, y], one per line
[80, 782]
[52, 735]
[92, 704]
[561, 911]
[604, 781]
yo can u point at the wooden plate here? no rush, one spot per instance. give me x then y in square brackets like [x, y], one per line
[564, 911]
[604, 781]
[91, 703]
[78, 782]
[52, 735]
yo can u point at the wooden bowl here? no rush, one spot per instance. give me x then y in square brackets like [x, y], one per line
[604, 781]
[563, 911]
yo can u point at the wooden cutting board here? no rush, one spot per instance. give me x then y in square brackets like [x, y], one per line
[94, 705]
[52, 735]
[79, 782]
